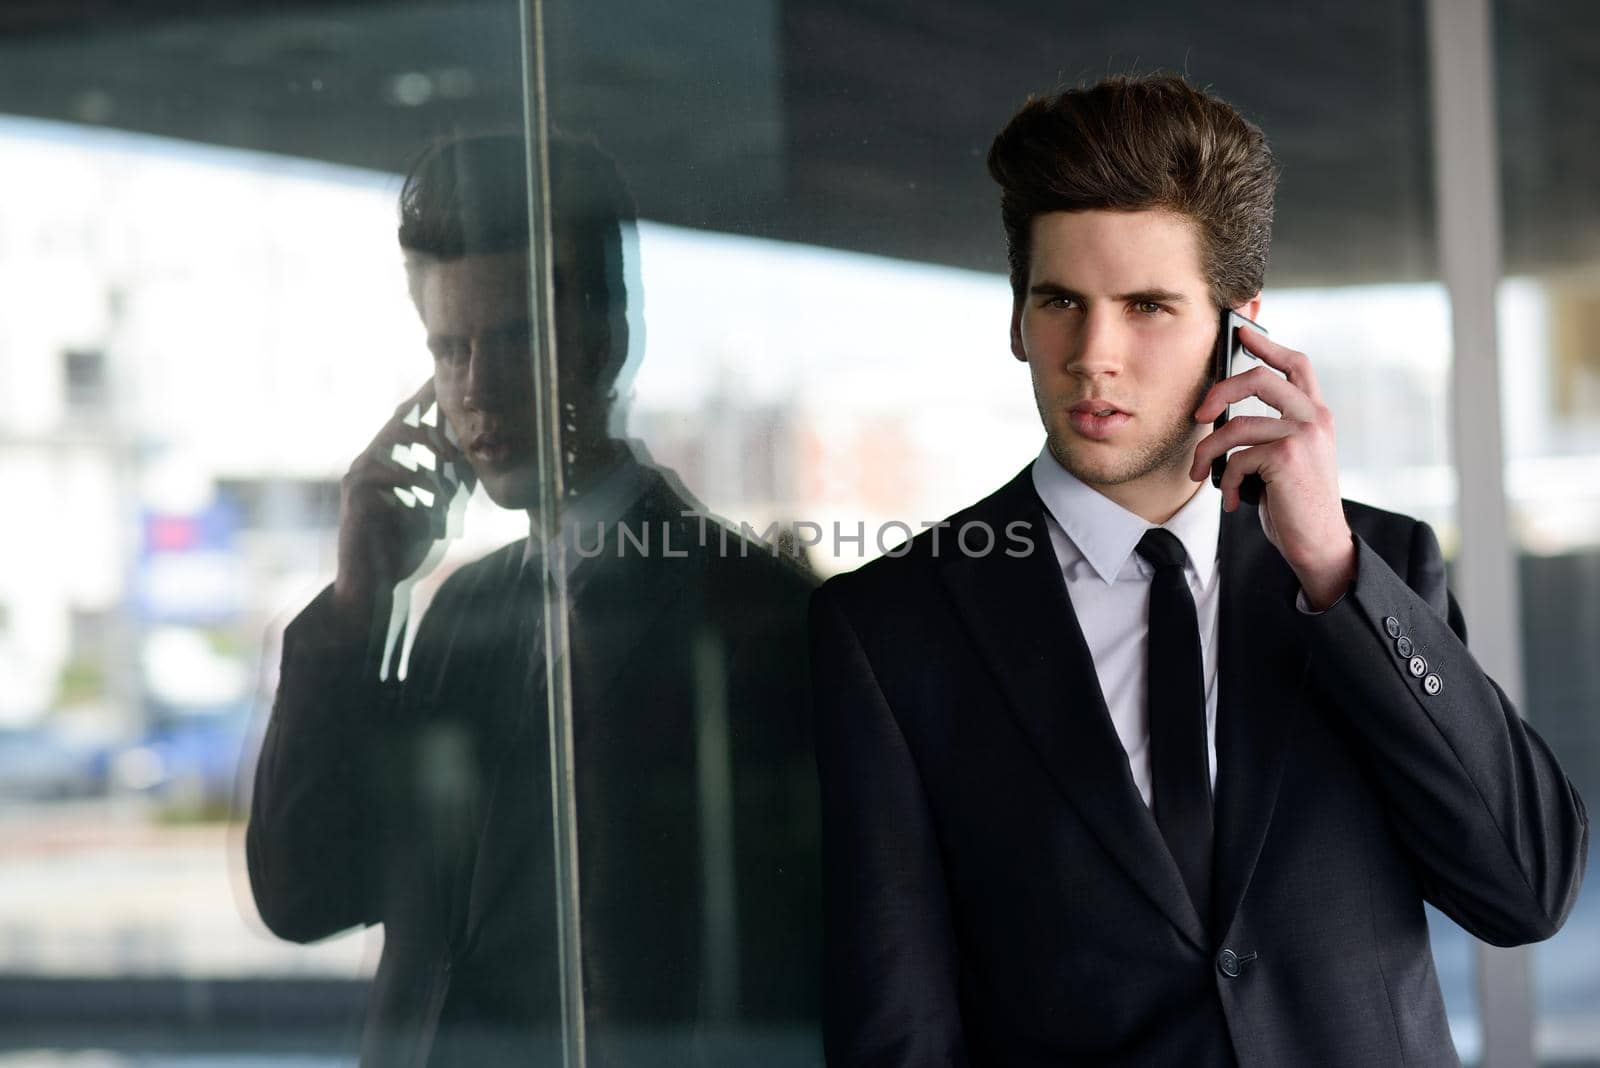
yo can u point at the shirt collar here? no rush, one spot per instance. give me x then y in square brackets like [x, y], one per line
[589, 517]
[1107, 533]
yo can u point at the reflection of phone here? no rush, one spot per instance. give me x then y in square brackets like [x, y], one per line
[1232, 358]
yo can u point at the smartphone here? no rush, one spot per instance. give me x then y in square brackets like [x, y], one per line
[1232, 358]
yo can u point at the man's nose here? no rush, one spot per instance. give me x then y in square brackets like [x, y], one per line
[1101, 345]
[492, 374]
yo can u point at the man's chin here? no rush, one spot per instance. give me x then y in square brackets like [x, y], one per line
[1095, 463]
[516, 489]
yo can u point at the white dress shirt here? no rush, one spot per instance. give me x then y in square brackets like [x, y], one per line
[1094, 540]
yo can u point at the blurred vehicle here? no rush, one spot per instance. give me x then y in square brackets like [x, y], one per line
[188, 760]
[40, 763]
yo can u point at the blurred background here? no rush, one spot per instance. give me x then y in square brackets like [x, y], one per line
[203, 318]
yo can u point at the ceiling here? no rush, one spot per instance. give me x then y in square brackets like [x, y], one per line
[859, 125]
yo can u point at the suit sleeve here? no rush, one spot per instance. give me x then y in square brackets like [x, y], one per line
[1498, 831]
[315, 833]
[890, 960]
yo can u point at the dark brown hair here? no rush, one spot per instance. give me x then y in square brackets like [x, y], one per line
[1132, 143]
[469, 195]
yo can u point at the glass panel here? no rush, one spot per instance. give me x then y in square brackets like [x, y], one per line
[695, 797]
[802, 334]
[821, 344]
[208, 320]
[1549, 310]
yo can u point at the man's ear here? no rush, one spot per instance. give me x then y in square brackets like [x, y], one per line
[1016, 330]
[1251, 309]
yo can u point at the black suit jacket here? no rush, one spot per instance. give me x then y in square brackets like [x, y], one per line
[426, 806]
[997, 893]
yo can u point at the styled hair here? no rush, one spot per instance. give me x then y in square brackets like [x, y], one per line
[470, 195]
[1134, 143]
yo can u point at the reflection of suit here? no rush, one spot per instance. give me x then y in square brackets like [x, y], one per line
[997, 893]
[427, 807]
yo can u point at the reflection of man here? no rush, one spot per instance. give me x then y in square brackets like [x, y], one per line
[426, 805]
[1173, 787]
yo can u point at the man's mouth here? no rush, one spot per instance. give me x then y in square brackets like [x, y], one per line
[495, 448]
[1096, 419]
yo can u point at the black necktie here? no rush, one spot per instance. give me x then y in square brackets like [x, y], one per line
[1179, 769]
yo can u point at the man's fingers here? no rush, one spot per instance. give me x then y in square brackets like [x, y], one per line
[421, 400]
[417, 438]
[413, 419]
[1249, 461]
[411, 456]
[1295, 364]
[374, 476]
[439, 438]
[1244, 430]
[410, 450]
[397, 429]
[1258, 382]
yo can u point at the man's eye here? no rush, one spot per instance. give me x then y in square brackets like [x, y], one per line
[1148, 307]
[449, 351]
[1060, 302]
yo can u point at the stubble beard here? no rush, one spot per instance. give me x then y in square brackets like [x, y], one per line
[1171, 450]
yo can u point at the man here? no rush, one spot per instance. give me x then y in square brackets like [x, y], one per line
[426, 805]
[1174, 797]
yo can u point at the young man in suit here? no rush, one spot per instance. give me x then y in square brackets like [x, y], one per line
[1173, 786]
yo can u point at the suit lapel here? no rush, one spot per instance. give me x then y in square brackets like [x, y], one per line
[1021, 620]
[1262, 665]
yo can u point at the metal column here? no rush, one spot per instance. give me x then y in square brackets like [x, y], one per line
[547, 429]
[1467, 186]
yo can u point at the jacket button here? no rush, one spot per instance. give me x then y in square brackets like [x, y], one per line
[1402, 645]
[1228, 963]
[1433, 684]
[1392, 625]
[1418, 666]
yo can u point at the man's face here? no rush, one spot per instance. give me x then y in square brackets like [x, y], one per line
[1117, 328]
[475, 310]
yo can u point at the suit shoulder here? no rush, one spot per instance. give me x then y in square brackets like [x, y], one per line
[1009, 518]
[1377, 518]
[1392, 535]
[491, 566]
[489, 574]
[909, 563]
[749, 576]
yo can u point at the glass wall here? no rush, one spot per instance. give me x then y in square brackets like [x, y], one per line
[822, 266]
[209, 328]
[1549, 307]
[312, 740]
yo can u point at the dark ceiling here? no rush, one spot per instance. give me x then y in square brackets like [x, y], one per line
[855, 125]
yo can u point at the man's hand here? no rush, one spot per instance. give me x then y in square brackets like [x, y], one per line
[1301, 512]
[383, 539]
